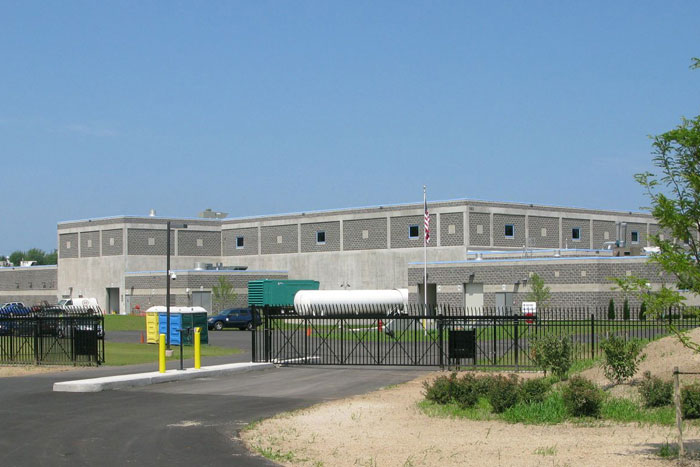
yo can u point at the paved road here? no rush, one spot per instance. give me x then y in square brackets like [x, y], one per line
[184, 423]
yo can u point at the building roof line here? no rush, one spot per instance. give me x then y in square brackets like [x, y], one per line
[416, 204]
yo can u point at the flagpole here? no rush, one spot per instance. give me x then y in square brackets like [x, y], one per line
[425, 260]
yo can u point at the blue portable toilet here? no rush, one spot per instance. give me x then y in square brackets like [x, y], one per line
[189, 316]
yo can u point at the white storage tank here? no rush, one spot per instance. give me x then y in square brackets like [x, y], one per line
[325, 302]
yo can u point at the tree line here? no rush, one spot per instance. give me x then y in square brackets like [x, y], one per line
[34, 254]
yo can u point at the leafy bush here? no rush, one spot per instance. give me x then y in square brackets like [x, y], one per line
[690, 401]
[552, 353]
[621, 358]
[441, 389]
[464, 391]
[626, 310]
[533, 391]
[482, 385]
[504, 392]
[611, 309]
[655, 392]
[643, 312]
[582, 398]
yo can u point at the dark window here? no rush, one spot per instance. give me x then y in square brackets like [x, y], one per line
[321, 237]
[635, 237]
[240, 242]
[509, 231]
[576, 233]
[413, 231]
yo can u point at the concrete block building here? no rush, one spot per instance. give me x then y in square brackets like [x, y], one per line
[29, 285]
[577, 279]
[119, 259]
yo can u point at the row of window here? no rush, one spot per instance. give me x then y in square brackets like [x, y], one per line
[509, 232]
[414, 232]
[320, 239]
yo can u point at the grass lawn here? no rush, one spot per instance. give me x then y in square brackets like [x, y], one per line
[119, 353]
[125, 323]
[552, 411]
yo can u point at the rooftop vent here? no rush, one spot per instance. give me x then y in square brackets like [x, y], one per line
[152, 213]
[209, 214]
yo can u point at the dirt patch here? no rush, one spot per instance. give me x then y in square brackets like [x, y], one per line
[387, 428]
[10, 371]
[661, 357]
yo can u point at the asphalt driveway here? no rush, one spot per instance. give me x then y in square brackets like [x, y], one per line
[185, 423]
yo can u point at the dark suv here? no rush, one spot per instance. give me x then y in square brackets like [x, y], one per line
[241, 318]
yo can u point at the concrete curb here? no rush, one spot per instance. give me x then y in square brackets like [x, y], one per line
[145, 379]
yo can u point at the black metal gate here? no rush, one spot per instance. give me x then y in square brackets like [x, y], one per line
[50, 338]
[402, 340]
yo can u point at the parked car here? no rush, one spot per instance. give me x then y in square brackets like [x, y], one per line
[241, 318]
[81, 302]
[12, 305]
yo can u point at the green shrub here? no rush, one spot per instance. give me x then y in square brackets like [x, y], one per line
[582, 398]
[482, 385]
[621, 358]
[643, 312]
[504, 392]
[552, 353]
[626, 310]
[464, 391]
[690, 401]
[611, 309]
[441, 389]
[533, 391]
[655, 392]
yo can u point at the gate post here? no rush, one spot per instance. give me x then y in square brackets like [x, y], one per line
[37, 326]
[268, 336]
[253, 339]
[493, 357]
[440, 343]
[516, 343]
[592, 335]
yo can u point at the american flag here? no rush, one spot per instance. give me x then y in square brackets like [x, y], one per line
[427, 223]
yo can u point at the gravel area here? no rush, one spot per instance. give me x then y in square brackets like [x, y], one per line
[26, 370]
[385, 428]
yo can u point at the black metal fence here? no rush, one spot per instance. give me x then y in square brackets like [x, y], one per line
[443, 336]
[51, 336]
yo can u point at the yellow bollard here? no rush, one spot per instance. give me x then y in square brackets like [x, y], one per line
[197, 349]
[161, 354]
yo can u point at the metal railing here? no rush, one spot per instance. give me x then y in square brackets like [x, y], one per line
[443, 335]
[51, 336]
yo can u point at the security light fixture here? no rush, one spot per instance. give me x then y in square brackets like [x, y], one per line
[169, 225]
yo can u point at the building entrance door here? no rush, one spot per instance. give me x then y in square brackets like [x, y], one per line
[202, 299]
[112, 300]
[432, 296]
[504, 303]
[473, 298]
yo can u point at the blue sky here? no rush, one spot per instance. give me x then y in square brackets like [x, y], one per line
[111, 108]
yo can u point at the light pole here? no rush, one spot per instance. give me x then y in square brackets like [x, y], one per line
[170, 225]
